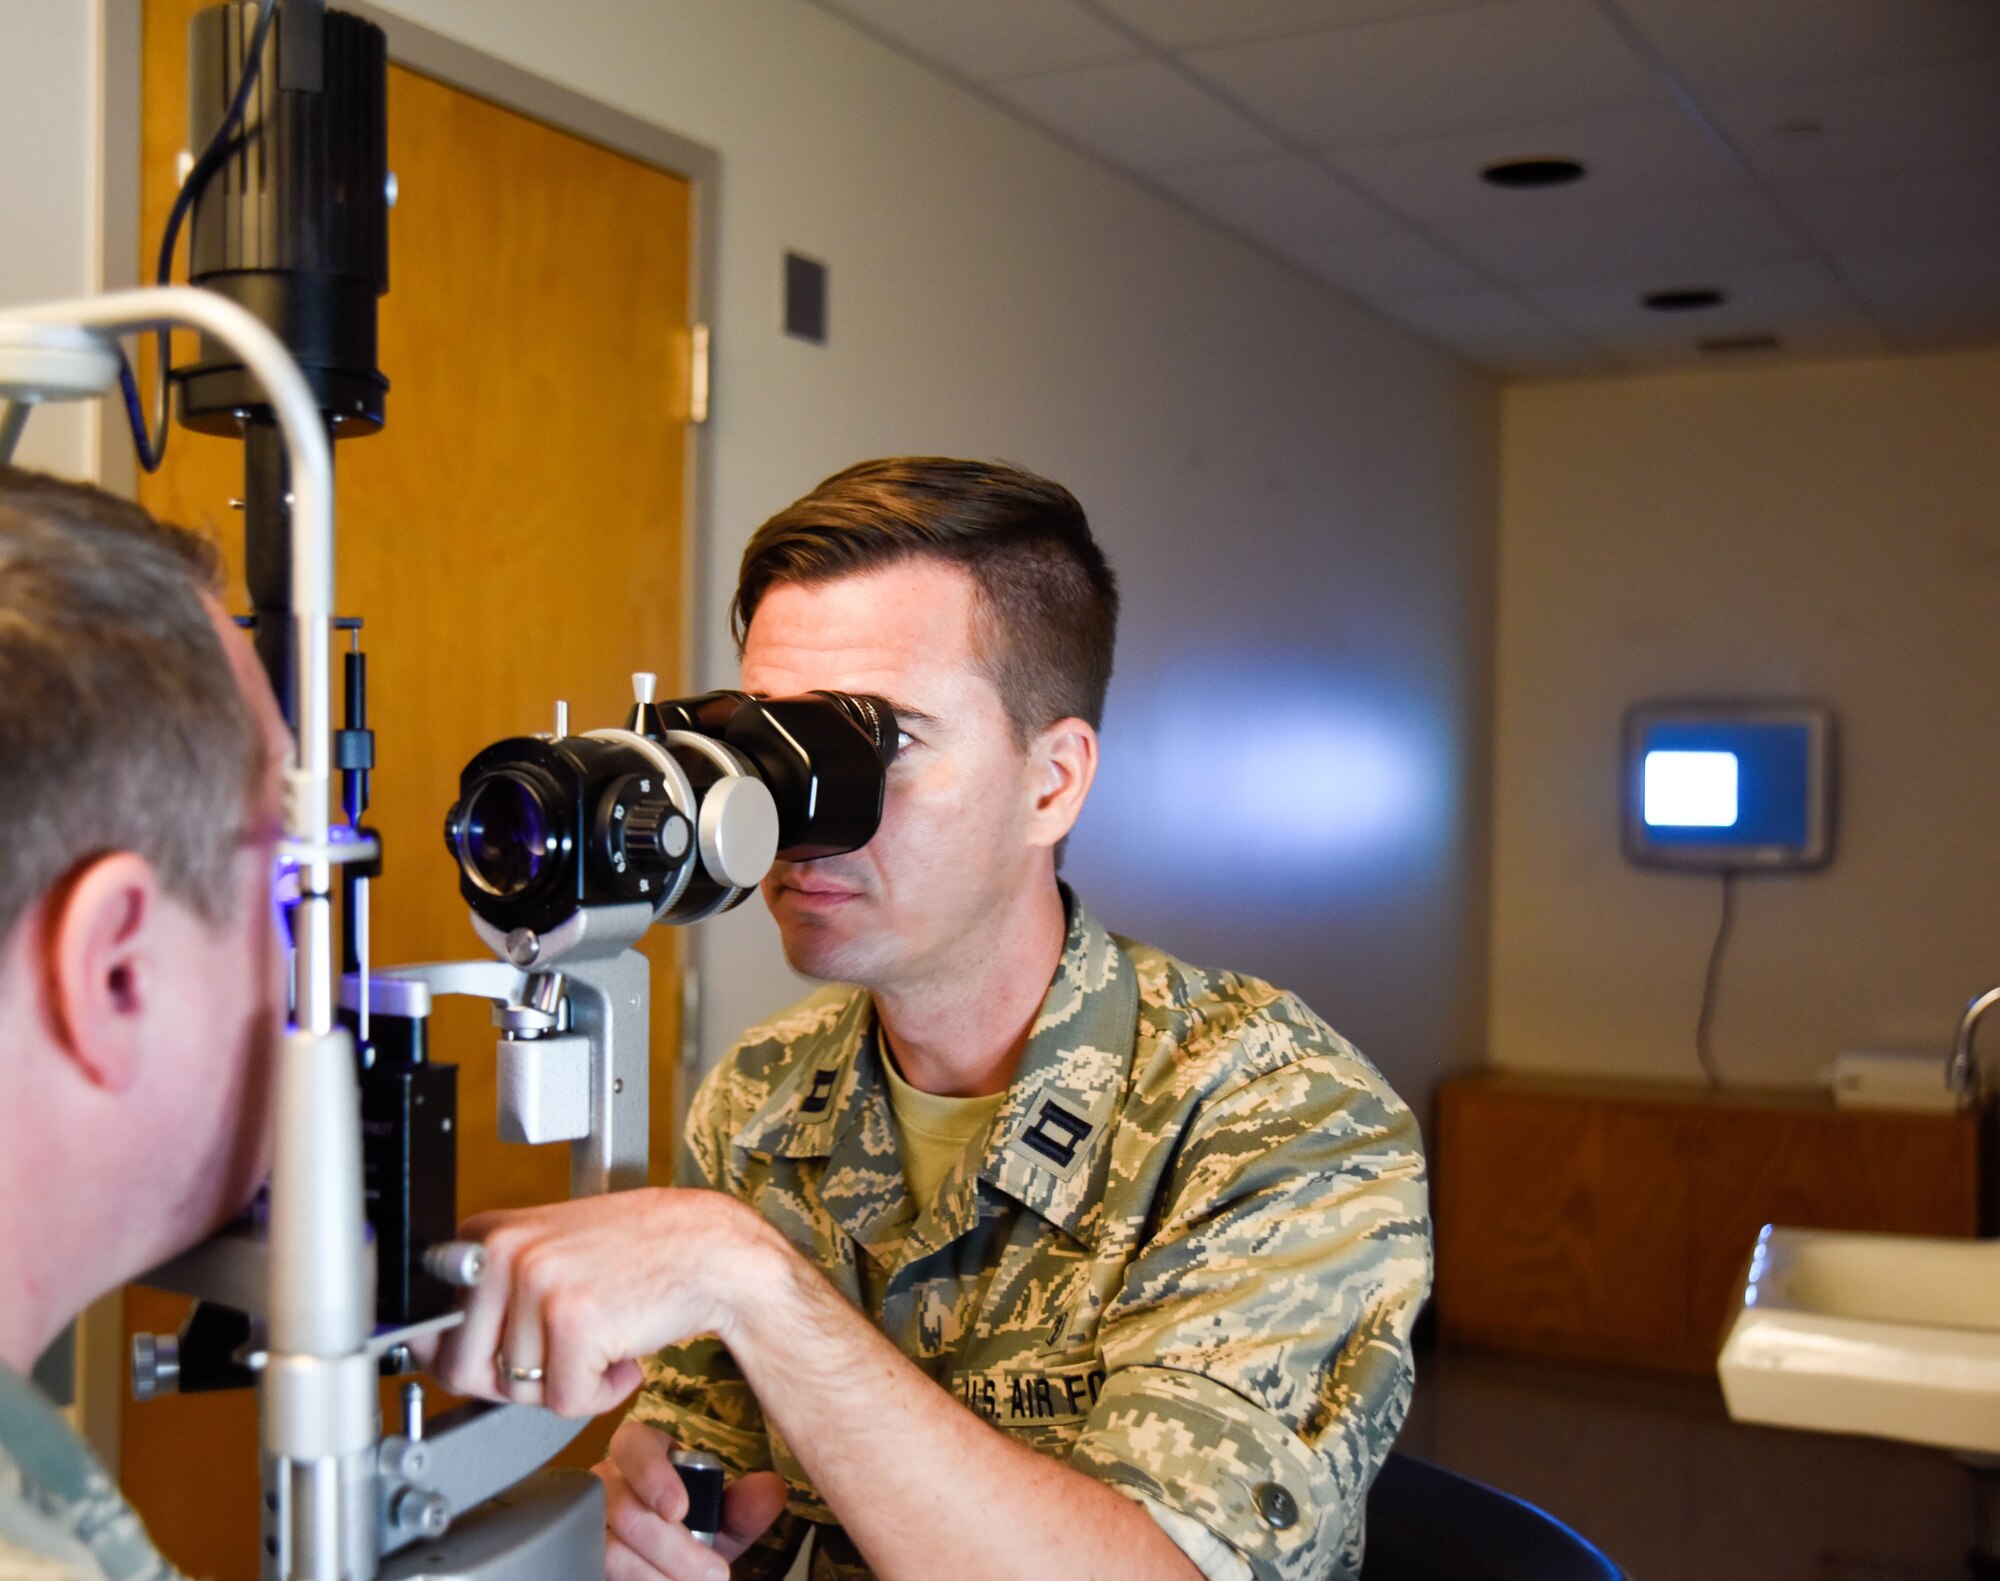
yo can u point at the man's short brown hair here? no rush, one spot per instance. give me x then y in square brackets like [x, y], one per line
[1047, 603]
[122, 727]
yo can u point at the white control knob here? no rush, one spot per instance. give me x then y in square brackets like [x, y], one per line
[738, 831]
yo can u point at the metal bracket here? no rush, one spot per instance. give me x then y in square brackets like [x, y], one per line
[552, 1525]
[465, 1457]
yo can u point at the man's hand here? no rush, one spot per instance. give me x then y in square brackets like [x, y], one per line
[644, 1504]
[574, 1291]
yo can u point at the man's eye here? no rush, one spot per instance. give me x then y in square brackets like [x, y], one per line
[904, 740]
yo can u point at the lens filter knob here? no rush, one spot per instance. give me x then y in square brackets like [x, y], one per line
[645, 837]
[655, 832]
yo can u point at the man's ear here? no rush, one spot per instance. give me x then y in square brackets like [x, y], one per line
[104, 965]
[1062, 763]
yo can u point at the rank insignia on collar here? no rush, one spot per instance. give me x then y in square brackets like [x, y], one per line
[1056, 1134]
[815, 1102]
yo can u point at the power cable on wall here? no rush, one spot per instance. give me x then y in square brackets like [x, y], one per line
[1704, 1023]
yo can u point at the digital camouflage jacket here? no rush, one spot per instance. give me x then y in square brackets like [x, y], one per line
[1185, 1259]
[61, 1517]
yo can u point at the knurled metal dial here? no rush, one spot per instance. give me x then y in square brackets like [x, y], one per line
[645, 837]
[655, 832]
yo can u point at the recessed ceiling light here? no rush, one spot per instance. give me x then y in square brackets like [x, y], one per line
[1730, 345]
[1543, 170]
[1683, 299]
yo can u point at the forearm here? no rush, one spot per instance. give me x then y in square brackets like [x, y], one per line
[921, 1484]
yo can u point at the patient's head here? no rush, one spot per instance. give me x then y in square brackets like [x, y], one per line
[140, 973]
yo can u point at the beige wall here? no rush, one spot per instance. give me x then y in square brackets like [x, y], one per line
[1830, 531]
[1298, 496]
[49, 213]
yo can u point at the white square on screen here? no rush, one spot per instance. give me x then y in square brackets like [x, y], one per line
[1691, 790]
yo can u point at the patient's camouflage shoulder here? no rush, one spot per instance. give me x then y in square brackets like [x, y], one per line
[61, 1517]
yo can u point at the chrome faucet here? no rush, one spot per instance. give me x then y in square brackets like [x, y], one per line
[1961, 1072]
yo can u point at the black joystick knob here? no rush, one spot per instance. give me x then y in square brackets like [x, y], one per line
[703, 1475]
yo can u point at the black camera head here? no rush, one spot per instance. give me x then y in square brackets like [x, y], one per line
[684, 812]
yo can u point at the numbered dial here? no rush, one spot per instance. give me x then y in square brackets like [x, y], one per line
[644, 839]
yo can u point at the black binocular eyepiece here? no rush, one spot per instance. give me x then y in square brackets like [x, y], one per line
[684, 809]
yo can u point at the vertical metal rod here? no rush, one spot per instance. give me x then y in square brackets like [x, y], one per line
[358, 898]
[317, 1520]
[267, 557]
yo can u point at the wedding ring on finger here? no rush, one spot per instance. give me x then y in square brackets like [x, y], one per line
[515, 1374]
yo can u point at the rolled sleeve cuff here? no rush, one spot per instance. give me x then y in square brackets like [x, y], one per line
[1208, 1553]
[1204, 1452]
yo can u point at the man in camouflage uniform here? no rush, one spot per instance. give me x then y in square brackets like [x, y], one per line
[1217, 1328]
[1067, 1259]
[140, 987]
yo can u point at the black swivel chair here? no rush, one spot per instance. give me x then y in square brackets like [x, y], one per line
[1429, 1524]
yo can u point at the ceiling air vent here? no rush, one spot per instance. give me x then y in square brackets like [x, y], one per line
[1525, 175]
[1683, 299]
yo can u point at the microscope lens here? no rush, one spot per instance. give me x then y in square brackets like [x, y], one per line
[505, 838]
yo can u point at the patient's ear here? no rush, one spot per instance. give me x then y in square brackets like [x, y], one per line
[104, 964]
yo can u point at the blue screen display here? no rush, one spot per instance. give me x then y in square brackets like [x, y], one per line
[1726, 784]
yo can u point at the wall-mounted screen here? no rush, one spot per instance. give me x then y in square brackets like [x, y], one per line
[1728, 785]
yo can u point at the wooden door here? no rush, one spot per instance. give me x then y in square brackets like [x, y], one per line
[512, 536]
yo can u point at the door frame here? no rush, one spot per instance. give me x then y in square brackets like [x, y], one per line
[99, 1355]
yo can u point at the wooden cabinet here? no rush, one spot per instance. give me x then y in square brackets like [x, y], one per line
[1613, 1221]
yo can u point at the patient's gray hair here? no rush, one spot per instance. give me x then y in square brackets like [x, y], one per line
[122, 727]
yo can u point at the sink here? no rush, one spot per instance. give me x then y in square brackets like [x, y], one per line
[1896, 1336]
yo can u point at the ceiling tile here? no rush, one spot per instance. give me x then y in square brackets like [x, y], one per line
[1853, 126]
[1634, 154]
[1674, 241]
[983, 41]
[1761, 297]
[1287, 197]
[1931, 299]
[1141, 114]
[1803, 303]
[1717, 44]
[1382, 267]
[1500, 334]
[1939, 208]
[1954, 334]
[1520, 63]
[1184, 24]
[1298, 211]
[1836, 334]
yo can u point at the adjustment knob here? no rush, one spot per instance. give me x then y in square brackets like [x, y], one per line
[644, 720]
[655, 832]
[644, 837]
[739, 831]
[156, 1365]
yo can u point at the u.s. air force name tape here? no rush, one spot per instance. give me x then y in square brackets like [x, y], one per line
[1017, 1397]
